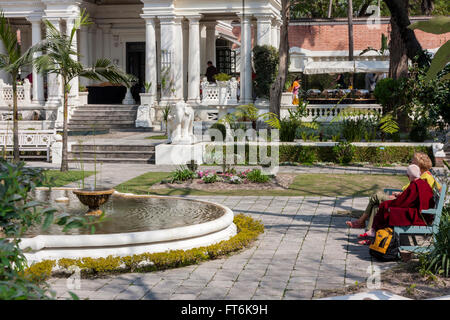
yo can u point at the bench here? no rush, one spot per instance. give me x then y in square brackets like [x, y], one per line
[29, 140]
[439, 199]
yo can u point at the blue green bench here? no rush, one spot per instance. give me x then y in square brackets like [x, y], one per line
[439, 199]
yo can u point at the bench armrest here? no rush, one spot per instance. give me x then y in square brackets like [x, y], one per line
[391, 191]
[429, 211]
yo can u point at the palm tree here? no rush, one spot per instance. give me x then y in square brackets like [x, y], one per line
[59, 60]
[12, 62]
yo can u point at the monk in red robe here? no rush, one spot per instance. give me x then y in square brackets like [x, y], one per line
[406, 209]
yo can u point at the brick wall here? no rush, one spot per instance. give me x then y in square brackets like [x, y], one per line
[333, 37]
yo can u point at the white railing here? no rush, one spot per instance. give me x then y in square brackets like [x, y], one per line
[23, 93]
[327, 112]
[221, 93]
[31, 140]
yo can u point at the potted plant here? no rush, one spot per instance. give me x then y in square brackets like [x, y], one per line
[222, 82]
[147, 97]
[83, 95]
[286, 96]
[165, 118]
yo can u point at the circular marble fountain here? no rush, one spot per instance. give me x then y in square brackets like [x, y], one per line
[134, 224]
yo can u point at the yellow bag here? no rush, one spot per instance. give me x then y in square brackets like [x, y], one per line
[385, 245]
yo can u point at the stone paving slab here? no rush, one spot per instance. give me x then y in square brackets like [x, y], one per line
[300, 251]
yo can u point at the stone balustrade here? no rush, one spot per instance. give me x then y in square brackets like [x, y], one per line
[23, 93]
[221, 93]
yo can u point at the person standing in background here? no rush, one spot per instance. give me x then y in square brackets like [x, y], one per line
[295, 90]
[211, 71]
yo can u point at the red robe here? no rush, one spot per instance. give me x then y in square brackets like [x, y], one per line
[405, 209]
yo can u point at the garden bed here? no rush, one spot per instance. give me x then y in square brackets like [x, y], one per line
[280, 182]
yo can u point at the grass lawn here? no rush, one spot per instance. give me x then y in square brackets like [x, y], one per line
[303, 185]
[60, 179]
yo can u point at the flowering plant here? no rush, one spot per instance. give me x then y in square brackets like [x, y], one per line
[209, 178]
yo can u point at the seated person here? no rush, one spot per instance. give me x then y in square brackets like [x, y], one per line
[420, 159]
[405, 209]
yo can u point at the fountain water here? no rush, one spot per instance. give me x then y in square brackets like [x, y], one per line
[134, 224]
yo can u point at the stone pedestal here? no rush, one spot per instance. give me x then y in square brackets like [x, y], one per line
[83, 98]
[178, 154]
[144, 118]
[128, 100]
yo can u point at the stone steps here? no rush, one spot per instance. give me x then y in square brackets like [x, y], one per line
[113, 160]
[101, 118]
[109, 153]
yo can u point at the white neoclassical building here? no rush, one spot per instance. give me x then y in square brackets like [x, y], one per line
[163, 42]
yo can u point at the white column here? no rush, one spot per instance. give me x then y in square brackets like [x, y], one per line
[246, 59]
[84, 51]
[178, 59]
[54, 82]
[92, 45]
[194, 60]
[167, 55]
[38, 80]
[278, 27]
[211, 41]
[74, 84]
[185, 40]
[263, 30]
[150, 54]
[203, 49]
[99, 50]
[106, 30]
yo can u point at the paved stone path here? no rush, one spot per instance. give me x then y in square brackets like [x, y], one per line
[306, 246]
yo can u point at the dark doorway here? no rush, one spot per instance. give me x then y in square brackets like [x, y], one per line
[136, 66]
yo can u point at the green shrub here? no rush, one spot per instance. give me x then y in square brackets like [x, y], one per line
[257, 176]
[353, 130]
[266, 65]
[288, 130]
[307, 155]
[418, 133]
[438, 260]
[182, 174]
[388, 93]
[210, 178]
[222, 77]
[344, 152]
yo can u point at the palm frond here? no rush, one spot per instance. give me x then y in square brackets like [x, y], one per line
[272, 120]
[388, 124]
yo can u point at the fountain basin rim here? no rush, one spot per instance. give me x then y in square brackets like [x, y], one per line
[132, 238]
[94, 192]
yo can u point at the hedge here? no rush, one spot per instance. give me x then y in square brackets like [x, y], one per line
[372, 155]
[248, 231]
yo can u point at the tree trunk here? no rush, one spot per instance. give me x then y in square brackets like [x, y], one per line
[16, 152]
[400, 18]
[350, 37]
[398, 64]
[277, 87]
[64, 160]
